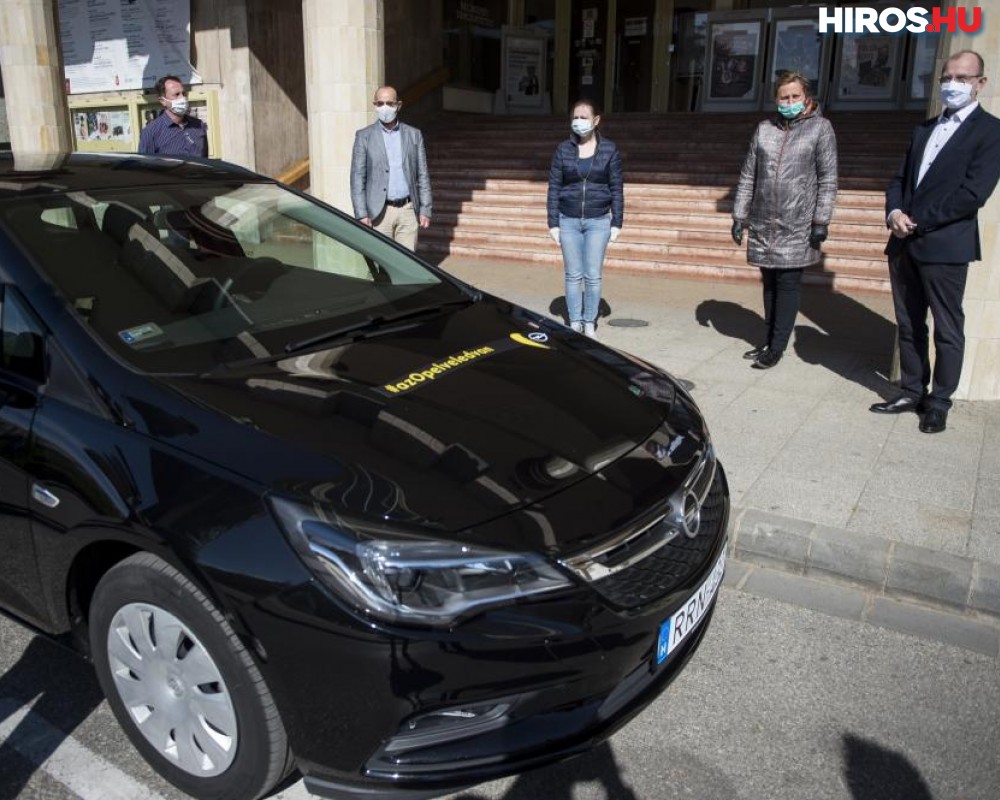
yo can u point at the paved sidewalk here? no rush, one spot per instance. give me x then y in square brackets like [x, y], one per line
[820, 486]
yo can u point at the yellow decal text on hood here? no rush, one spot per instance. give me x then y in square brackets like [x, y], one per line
[434, 370]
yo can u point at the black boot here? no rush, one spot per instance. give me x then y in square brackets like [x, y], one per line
[751, 355]
[767, 359]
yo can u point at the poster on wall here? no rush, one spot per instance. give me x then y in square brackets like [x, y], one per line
[122, 45]
[103, 126]
[798, 47]
[867, 66]
[734, 48]
[525, 70]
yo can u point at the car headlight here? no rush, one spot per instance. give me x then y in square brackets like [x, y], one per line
[409, 580]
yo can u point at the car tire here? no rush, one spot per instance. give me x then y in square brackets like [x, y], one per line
[183, 686]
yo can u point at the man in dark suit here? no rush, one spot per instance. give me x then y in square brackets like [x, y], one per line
[390, 184]
[950, 170]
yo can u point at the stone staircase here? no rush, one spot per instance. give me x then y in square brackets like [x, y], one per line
[490, 177]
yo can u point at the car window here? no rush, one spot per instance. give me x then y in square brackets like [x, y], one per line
[22, 349]
[184, 278]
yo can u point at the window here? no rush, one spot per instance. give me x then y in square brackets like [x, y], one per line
[472, 42]
[22, 350]
[187, 277]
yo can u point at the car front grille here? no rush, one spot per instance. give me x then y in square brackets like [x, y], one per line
[668, 567]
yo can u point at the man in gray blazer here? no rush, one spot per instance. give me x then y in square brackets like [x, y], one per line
[390, 185]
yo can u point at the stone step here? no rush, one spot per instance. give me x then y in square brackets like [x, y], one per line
[646, 169]
[639, 208]
[491, 191]
[463, 176]
[542, 150]
[831, 274]
[685, 246]
[707, 231]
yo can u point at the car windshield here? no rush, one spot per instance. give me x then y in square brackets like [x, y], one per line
[190, 277]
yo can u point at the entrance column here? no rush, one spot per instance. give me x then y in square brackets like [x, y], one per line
[981, 370]
[345, 64]
[663, 35]
[33, 78]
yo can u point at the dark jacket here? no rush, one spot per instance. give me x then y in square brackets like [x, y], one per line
[591, 194]
[945, 205]
[788, 182]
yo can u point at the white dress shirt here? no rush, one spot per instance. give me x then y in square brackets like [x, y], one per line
[943, 131]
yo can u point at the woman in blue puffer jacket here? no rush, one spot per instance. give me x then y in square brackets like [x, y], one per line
[586, 203]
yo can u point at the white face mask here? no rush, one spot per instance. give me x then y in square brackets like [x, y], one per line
[179, 106]
[955, 95]
[386, 114]
[581, 127]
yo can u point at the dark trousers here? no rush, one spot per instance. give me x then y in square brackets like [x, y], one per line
[917, 288]
[781, 304]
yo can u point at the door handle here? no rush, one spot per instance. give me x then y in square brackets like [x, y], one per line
[44, 496]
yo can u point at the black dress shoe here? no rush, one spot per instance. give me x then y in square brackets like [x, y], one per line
[766, 359]
[934, 420]
[751, 355]
[898, 406]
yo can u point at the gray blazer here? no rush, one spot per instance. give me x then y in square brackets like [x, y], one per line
[370, 171]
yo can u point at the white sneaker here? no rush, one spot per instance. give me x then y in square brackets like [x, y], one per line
[577, 326]
[590, 330]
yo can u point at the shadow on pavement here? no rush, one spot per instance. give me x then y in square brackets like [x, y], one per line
[557, 782]
[42, 673]
[851, 341]
[873, 772]
[557, 308]
[731, 320]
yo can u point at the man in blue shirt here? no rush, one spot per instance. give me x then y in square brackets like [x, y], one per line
[390, 184]
[174, 132]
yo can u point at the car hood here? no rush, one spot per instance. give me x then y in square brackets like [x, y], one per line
[447, 423]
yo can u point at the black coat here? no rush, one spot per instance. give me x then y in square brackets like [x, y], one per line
[590, 194]
[945, 205]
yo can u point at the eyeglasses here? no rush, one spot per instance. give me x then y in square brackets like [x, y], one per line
[392, 103]
[960, 78]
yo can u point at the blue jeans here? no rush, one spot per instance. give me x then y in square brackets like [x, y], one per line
[583, 243]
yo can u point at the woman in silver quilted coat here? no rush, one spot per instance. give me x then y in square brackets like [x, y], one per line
[784, 200]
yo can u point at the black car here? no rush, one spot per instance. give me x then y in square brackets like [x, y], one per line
[310, 503]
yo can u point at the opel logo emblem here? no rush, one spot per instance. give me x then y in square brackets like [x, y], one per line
[691, 517]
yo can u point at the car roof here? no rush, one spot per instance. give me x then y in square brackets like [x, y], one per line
[57, 173]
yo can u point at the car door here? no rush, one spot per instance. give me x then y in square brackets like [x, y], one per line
[21, 378]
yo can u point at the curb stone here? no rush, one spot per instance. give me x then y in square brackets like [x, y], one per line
[885, 567]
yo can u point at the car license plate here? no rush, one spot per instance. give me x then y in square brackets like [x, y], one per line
[676, 629]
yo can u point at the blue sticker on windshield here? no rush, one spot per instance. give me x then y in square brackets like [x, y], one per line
[140, 333]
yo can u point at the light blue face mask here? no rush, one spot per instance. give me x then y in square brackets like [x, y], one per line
[788, 112]
[581, 127]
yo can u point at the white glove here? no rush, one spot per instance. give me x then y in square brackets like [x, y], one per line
[615, 233]
[554, 233]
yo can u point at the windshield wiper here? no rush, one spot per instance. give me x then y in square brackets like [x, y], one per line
[373, 324]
